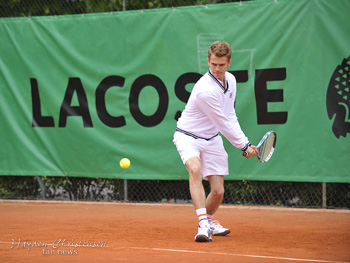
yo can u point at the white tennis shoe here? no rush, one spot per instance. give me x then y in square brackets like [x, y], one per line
[205, 231]
[219, 230]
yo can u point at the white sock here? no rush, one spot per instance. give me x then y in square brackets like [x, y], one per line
[210, 218]
[202, 215]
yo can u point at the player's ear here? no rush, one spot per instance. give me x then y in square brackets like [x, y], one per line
[208, 62]
[229, 63]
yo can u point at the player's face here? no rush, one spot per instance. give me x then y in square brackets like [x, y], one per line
[218, 66]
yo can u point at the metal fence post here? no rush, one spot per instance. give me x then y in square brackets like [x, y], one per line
[126, 190]
[124, 5]
[324, 195]
[42, 186]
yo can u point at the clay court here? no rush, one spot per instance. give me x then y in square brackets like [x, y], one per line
[44, 231]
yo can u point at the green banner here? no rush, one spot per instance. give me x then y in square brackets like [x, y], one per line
[81, 92]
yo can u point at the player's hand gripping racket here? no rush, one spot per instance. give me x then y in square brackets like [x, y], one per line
[266, 146]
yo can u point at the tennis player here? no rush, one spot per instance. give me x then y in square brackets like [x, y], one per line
[210, 110]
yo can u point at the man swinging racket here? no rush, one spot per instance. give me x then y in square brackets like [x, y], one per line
[210, 110]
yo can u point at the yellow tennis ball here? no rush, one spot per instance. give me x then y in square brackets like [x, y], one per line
[124, 163]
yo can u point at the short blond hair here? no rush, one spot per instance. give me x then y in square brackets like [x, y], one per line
[220, 49]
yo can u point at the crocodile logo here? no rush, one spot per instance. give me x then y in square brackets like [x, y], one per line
[338, 99]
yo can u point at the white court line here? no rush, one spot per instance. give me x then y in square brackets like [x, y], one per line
[236, 255]
[223, 206]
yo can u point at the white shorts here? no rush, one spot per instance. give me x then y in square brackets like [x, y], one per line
[211, 153]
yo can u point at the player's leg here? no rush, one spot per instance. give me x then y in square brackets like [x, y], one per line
[213, 202]
[198, 196]
[216, 195]
[189, 149]
[194, 169]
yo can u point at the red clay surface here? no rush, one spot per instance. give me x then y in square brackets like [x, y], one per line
[38, 231]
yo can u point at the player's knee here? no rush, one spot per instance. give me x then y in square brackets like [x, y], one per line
[195, 171]
[218, 192]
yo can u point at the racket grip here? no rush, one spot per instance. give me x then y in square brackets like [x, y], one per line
[245, 154]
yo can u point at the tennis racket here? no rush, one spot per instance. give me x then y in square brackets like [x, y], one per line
[266, 146]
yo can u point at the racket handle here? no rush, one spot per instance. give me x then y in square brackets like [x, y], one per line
[245, 154]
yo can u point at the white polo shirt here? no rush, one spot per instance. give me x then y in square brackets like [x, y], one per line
[210, 110]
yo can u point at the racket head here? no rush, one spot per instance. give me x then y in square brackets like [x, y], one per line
[266, 146]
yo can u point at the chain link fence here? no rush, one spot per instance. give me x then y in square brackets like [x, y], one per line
[15, 8]
[283, 194]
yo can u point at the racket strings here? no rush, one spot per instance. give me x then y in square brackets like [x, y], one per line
[267, 148]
